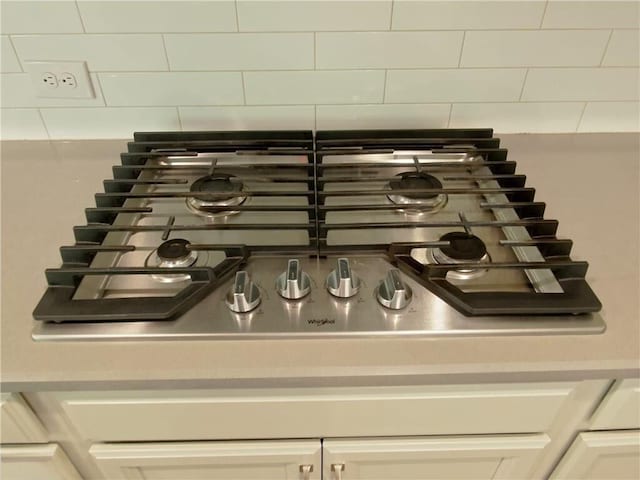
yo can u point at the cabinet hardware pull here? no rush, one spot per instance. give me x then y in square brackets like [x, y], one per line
[337, 469]
[306, 470]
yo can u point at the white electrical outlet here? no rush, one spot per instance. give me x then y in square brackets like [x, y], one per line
[60, 79]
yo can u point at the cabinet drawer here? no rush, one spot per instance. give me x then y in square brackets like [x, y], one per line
[19, 423]
[29, 462]
[304, 413]
[621, 407]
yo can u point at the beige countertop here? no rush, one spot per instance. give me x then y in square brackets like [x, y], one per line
[590, 183]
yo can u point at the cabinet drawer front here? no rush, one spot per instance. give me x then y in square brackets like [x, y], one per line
[304, 413]
[265, 460]
[29, 462]
[621, 407]
[19, 423]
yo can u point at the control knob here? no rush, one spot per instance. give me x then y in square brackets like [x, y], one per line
[244, 296]
[392, 292]
[293, 283]
[343, 282]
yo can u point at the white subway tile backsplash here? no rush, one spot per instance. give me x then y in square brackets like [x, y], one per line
[382, 116]
[158, 16]
[467, 15]
[18, 92]
[314, 87]
[591, 14]
[454, 85]
[172, 88]
[40, 17]
[518, 117]
[318, 15]
[240, 51]
[21, 124]
[611, 117]
[101, 52]
[388, 49]
[581, 84]
[9, 60]
[248, 118]
[542, 48]
[623, 49]
[107, 122]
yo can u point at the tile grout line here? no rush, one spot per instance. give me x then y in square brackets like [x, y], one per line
[166, 55]
[391, 15]
[544, 13]
[464, 37]
[179, 119]
[15, 52]
[315, 63]
[235, 6]
[584, 109]
[450, 113]
[44, 124]
[84, 29]
[104, 99]
[606, 48]
[384, 87]
[244, 89]
[315, 118]
[524, 83]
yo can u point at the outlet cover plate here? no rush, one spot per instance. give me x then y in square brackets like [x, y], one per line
[41, 70]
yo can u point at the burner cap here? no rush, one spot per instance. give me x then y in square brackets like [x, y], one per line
[413, 181]
[463, 246]
[215, 184]
[174, 250]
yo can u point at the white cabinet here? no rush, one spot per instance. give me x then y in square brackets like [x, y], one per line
[35, 462]
[473, 458]
[621, 408]
[602, 455]
[19, 423]
[264, 460]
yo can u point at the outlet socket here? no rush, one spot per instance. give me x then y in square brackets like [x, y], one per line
[60, 79]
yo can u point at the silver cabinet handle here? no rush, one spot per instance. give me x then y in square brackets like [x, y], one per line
[337, 469]
[306, 470]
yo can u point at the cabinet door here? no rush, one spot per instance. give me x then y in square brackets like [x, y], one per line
[474, 458]
[264, 460]
[18, 422]
[601, 455]
[29, 462]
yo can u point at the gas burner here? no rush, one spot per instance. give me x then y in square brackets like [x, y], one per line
[174, 253]
[218, 183]
[463, 248]
[429, 202]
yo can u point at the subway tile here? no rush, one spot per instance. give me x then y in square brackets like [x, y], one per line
[382, 116]
[611, 117]
[9, 60]
[22, 124]
[240, 51]
[101, 52]
[320, 15]
[107, 122]
[623, 49]
[40, 17]
[18, 92]
[581, 84]
[314, 87]
[591, 14]
[160, 17]
[542, 48]
[388, 49]
[469, 15]
[518, 117]
[172, 88]
[248, 118]
[454, 85]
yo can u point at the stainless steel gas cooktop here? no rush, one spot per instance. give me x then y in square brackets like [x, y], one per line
[360, 233]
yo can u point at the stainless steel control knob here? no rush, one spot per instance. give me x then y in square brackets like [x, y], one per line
[343, 282]
[293, 283]
[392, 292]
[244, 296]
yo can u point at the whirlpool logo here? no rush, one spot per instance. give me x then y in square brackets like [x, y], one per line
[319, 322]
